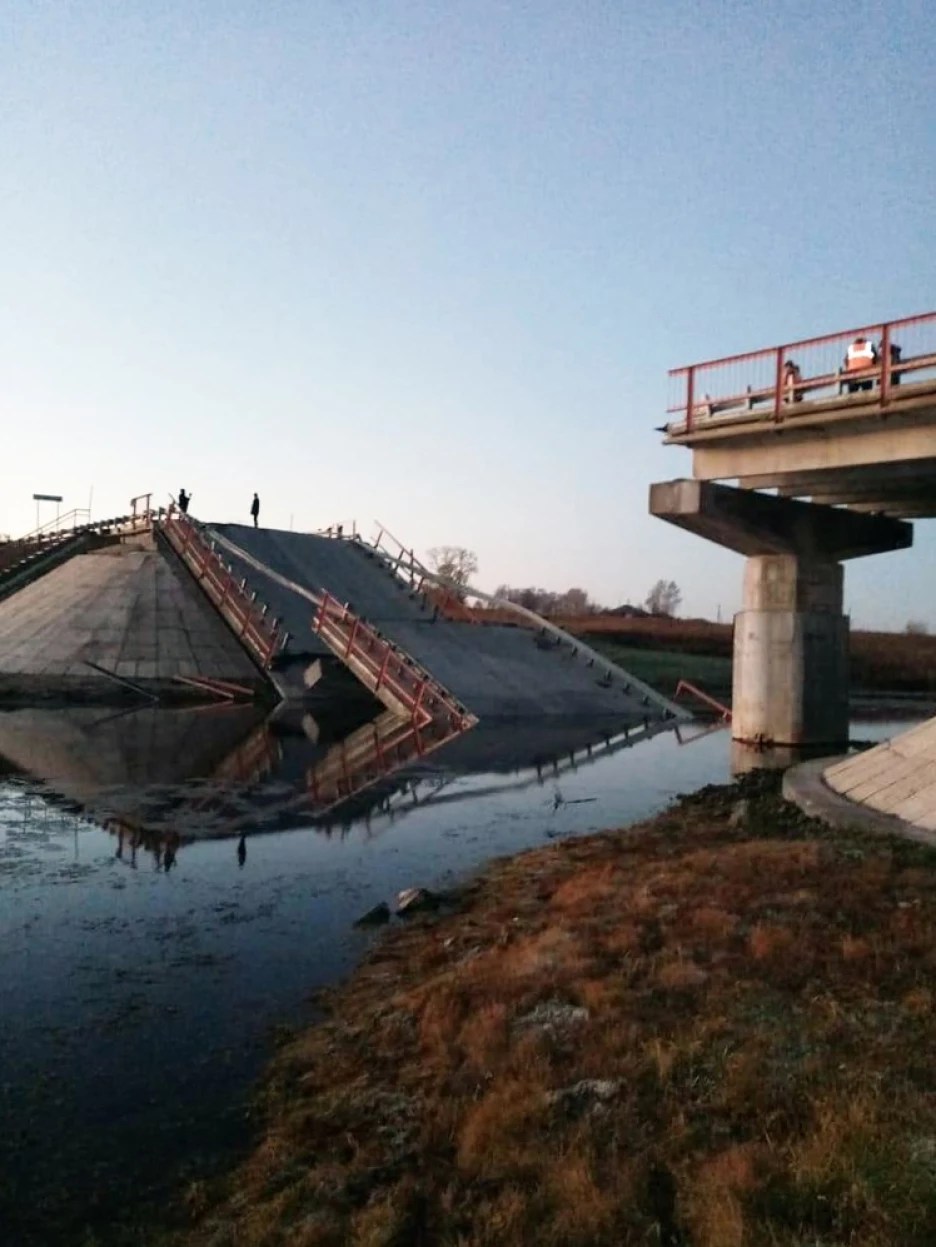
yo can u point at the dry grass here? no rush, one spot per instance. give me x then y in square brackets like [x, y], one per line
[687, 1034]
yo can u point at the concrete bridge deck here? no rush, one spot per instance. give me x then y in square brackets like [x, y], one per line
[311, 619]
[865, 440]
[493, 669]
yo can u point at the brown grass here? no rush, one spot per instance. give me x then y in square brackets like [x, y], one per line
[689, 1033]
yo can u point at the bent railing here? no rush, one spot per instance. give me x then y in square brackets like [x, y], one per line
[393, 676]
[404, 563]
[248, 618]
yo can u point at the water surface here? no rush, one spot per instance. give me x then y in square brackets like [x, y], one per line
[170, 894]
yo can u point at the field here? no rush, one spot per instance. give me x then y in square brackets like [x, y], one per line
[880, 661]
[713, 1030]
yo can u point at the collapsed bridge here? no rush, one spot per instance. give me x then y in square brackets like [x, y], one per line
[162, 601]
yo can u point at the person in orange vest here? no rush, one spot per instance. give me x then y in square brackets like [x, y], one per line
[860, 355]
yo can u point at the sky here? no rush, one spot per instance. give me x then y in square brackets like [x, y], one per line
[427, 263]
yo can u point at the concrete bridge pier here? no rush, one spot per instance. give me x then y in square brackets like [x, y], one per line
[790, 673]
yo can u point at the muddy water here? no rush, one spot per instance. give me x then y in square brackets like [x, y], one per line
[144, 974]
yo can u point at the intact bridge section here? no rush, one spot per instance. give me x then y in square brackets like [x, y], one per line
[157, 606]
[832, 443]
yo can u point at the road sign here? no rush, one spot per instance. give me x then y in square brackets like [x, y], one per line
[47, 497]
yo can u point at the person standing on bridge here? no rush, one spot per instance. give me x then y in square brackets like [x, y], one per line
[184, 500]
[791, 379]
[895, 352]
[255, 509]
[861, 355]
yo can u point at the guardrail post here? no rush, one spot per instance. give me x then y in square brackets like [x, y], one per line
[417, 702]
[778, 393]
[382, 673]
[351, 638]
[690, 397]
[885, 364]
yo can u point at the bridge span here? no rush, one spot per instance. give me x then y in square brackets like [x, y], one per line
[802, 460]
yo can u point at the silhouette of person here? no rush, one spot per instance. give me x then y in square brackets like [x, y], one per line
[170, 849]
[184, 500]
[894, 352]
[242, 851]
[255, 509]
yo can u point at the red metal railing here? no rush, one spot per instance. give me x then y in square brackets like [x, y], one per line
[140, 507]
[448, 598]
[685, 687]
[776, 382]
[389, 673]
[15, 554]
[71, 520]
[250, 620]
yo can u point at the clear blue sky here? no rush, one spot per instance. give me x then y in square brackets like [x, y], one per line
[429, 262]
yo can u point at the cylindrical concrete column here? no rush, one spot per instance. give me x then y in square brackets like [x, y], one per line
[791, 654]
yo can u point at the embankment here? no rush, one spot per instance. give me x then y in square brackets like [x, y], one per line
[712, 1029]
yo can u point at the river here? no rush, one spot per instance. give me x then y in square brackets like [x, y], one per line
[166, 911]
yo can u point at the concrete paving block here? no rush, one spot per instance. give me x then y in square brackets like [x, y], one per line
[870, 766]
[921, 777]
[896, 780]
[918, 740]
[917, 806]
[899, 769]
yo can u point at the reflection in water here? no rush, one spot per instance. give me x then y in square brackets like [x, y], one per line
[158, 779]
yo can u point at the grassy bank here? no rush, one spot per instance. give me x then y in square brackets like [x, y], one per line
[879, 661]
[901, 669]
[713, 1029]
[663, 669]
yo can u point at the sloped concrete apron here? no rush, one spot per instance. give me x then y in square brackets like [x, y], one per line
[889, 789]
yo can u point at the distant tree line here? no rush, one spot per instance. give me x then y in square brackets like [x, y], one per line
[458, 564]
[663, 599]
[545, 602]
